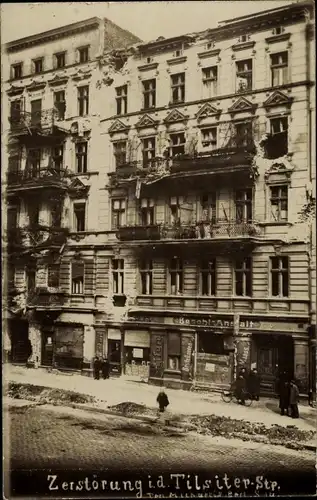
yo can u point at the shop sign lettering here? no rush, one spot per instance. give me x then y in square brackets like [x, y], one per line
[200, 321]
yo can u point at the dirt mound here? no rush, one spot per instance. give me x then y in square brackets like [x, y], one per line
[129, 407]
[45, 394]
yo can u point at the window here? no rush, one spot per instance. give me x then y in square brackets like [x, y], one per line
[279, 68]
[243, 38]
[12, 217]
[146, 273]
[209, 207]
[244, 75]
[83, 54]
[83, 100]
[15, 112]
[178, 87]
[16, 71]
[176, 276]
[14, 164]
[122, 100]
[210, 77]
[279, 276]
[174, 351]
[56, 213]
[78, 269]
[60, 104]
[81, 157]
[243, 135]
[278, 142]
[243, 277]
[149, 94]
[38, 65]
[33, 213]
[279, 203]
[118, 212]
[177, 144]
[175, 208]
[118, 276]
[31, 280]
[80, 216]
[147, 211]
[148, 150]
[120, 152]
[243, 203]
[53, 275]
[33, 163]
[57, 157]
[209, 138]
[60, 60]
[208, 277]
[36, 112]
[278, 30]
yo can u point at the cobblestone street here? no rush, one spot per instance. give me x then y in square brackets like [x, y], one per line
[58, 438]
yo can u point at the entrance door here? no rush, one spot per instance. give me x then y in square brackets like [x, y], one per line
[47, 348]
[275, 355]
[267, 367]
[114, 356]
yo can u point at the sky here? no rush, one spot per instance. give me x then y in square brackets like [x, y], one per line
[147, 20]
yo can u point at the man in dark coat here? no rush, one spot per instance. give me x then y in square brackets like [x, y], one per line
[293, 400]
[243, 372]
[97, 367]
[284, 393]
[253, 384]
[162, 400]
[240, 386]
[105, 368]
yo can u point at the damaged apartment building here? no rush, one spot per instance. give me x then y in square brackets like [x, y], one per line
[185, 243]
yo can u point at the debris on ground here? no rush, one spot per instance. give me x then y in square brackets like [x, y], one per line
[45, 395]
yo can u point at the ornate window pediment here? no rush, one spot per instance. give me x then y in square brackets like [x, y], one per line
[278, 98]
[118, 126]
[279, 171]
[206, 111]
[36, 86]
[175, 116]
[77, 189]
[58, 80]
[242, 105]
[14, 91]
[146, 121]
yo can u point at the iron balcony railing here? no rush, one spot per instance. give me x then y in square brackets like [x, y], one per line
[35, 235]
[25, 121]
[43, 297]
[199, 230]
[35, 174]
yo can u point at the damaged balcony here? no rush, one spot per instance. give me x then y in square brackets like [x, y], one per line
[195, 231]
[34, 177]
[36, 123]
[36, 237]
[45, 298]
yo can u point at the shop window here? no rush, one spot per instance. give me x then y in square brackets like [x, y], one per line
[60, 60]
[122, 99]
[80, 216]
[149, 93]
[279, 68]
[209, 343]
[177, 146]
[53, 271]
[178, 88]
[120, 152]
[280, 276]
[243, 204]
[209, 207]
[277, 143]
[81, 157]
[118, 212]
[176, 276]
[38, 65]
[146, 273]
[83, 100]
[77, 279]
[60, 104]
[279, 203]
[174, 351]
[16, 71]
[243, 277]
[118, 276]
[210, 80]
[208, 277]
[137, 355]
[148, 151]
[244, 75]
[147, 211]
[83, 54]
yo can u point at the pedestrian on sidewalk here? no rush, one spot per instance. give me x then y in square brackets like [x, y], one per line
[97, 367]
[284, 393]
[163, 402]
[243, 372]
[105, 368]
[294, 397]
[240, 387]
[253, 384]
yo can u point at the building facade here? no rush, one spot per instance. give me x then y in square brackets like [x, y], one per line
[189, 249]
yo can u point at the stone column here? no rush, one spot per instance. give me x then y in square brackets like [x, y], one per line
[89, 345]
[301, 363]
[35, 337]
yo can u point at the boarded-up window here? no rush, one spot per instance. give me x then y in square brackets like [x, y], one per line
[69, 346]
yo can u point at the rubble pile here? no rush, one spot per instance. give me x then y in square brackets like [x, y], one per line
[45, 395]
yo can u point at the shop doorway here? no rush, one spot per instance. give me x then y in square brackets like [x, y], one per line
[47, 348]
[20, 343]
[114, 356]
[275, 355]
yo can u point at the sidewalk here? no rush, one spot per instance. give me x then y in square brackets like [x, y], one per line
[114, 391]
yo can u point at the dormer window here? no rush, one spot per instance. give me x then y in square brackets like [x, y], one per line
[278, 30]
[243, 38]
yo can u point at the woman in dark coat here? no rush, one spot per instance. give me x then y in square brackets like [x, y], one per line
[294, 397]
[253, 384]
[97, 367]
[162, 401]
[105, 368]
[284, 393]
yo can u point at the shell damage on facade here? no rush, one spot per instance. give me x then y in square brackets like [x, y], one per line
[172, 227]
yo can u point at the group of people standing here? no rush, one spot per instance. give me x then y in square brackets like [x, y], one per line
[247, 382]
[289, 396]
[101, 365]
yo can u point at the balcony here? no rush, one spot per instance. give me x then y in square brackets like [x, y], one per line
[35, 236]
[34, 177]
[33, 123]
[199, 230]
[45, 298]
